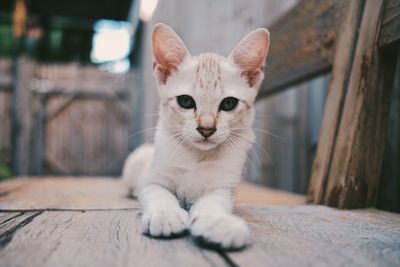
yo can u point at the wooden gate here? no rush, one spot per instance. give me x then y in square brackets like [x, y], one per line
[69, 119]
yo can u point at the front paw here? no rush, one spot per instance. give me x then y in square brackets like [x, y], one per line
[225, 231]
[164, 222]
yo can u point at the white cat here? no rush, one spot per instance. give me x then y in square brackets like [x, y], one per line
[187, 179]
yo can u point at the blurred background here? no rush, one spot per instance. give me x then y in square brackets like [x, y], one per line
[77, 92]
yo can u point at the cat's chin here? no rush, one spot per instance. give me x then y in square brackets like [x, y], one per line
[204, 145]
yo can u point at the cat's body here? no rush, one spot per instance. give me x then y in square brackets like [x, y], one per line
[186, 181]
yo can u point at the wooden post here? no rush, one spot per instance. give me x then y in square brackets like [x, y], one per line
[351, 170]
[21, 116]
[345, 49]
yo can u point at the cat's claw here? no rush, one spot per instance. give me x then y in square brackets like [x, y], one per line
[164, 222]
[225, 231]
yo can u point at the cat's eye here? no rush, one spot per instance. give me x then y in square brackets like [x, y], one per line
[186, 101]
[229, 103]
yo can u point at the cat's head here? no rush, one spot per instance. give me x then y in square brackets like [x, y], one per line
[207, 100]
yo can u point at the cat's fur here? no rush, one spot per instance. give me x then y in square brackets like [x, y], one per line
[189, 181]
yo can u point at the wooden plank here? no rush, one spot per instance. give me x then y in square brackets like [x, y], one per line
[303, 43]
[320, 236]
[96, 238]
[390, 29]
[105, 193]
[282, 236]
[356, 163]
[256, 195]
[335, 99]
[65, 193]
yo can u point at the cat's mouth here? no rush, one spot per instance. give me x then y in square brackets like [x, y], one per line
[205, 141]
[205, 144]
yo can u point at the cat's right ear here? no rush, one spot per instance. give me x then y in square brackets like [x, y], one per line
[168, 52]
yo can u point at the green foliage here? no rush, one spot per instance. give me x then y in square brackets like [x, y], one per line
[5, 162]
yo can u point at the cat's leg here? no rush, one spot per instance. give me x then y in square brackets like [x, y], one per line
[162, 215]
[213, 222]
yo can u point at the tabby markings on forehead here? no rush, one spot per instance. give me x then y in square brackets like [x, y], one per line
[209, 72]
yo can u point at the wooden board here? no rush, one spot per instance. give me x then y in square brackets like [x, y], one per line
[335, 100]
[65, 193]
[303, 43]
[320, 236]
[282, 236]
[90, 193]
[357, 157]
[92, 238]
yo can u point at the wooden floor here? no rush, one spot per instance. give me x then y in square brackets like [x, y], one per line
[94, 222]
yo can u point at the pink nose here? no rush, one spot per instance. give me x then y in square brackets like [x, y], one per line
[206, 132]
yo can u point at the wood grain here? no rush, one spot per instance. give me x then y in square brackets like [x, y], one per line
[93, 238]
[282, 236]
[357, 157]
[320, 236]
[344, 55]
[65, 193]
[303, 43]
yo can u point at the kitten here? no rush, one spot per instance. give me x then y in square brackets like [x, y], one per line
[187, 179]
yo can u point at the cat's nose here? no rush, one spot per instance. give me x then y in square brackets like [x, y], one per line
[206, 132]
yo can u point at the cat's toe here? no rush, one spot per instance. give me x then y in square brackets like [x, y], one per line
[164, 222]
[222, 231]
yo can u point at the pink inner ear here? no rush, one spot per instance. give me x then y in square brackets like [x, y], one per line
[168, 51]
[250, 55]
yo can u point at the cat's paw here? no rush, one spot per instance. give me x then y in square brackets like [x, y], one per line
[225, 231]
[164, 222]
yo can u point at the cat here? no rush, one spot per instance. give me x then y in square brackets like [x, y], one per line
[186, 180]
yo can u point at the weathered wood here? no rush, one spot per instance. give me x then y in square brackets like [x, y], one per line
[282, 236]
[95, 238]
[89, 222]
[390, 29]
[320, 236]
[345, 49]
[98, 125]
[104, 193]
[5, 99]
[356, 163]
[65, 193]
[21, 116]
[303, 43]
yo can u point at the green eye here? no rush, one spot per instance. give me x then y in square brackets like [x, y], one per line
[186, 101]
[228, 103]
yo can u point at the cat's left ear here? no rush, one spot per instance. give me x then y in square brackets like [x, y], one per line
[250, 54]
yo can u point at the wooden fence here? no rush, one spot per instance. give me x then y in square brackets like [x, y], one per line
[65, 119]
